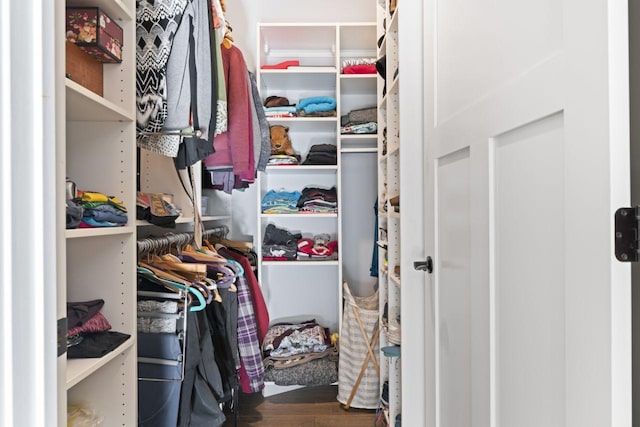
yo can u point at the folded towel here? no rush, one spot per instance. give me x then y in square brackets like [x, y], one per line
[317, 103]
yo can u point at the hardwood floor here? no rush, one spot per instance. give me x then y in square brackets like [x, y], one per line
[307, 407]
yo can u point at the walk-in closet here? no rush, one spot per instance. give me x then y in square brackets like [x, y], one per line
[280, 213]
[232, 233]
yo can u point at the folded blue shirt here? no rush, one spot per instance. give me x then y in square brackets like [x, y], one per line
[280, 198]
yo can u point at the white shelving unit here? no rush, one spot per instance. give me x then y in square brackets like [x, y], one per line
[315, 286]
[95, 140]
[390, 232]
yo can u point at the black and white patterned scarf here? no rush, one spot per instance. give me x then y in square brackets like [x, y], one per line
[156, 24]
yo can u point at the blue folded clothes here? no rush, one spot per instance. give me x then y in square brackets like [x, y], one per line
[286, 109]
[280, 198]
[317, 103]
[93, 223]
[106, 213]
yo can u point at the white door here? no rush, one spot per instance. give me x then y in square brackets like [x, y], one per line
[527, 151]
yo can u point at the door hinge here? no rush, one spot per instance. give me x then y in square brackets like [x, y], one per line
[626, 234]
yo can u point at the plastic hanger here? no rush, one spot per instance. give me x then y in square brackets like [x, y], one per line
[214, 287]
[171, 280]
[238, 265]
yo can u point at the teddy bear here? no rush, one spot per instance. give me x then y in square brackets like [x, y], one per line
[280, 141]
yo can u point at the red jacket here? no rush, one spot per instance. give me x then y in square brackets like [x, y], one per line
[234, 148]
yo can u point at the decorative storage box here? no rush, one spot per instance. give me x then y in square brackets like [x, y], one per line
[95, 33]
[83, 68]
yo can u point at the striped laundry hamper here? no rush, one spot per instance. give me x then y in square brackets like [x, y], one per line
[358, 368]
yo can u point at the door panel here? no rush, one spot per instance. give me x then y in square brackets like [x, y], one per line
[527, 158]
[454, 300]
[482, 45]
[528, 284]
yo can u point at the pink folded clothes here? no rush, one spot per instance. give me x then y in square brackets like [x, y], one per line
[360, 69]
[96, 323]
[281, 65]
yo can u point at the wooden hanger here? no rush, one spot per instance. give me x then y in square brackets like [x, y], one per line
[244, 247]
[191, 271]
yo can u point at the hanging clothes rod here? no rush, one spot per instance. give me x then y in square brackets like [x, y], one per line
[177, 132]
[164, 243]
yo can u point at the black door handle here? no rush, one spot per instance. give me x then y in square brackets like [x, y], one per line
[426, 265]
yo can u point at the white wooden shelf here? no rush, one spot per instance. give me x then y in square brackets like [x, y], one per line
[359, 136]
[96, 147]
[301, 168]
[358, 76]
[389, 165]
[392, 88]
[301, 70]
[300, 215]
[77, 233]
[319, 263]
[186, 220]
[79, 369]
[321, 49]
[84, 105]
[359, 150]
[302, 119]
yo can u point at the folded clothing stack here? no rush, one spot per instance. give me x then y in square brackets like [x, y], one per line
[322, 154]
[280, 202]
[283, 160]
[363, 120]
[321, 247]
[280, 111]
[359, 66]
[318, 200]
[100, 210]
[279, 244]
[88, 331]
[278, 106]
